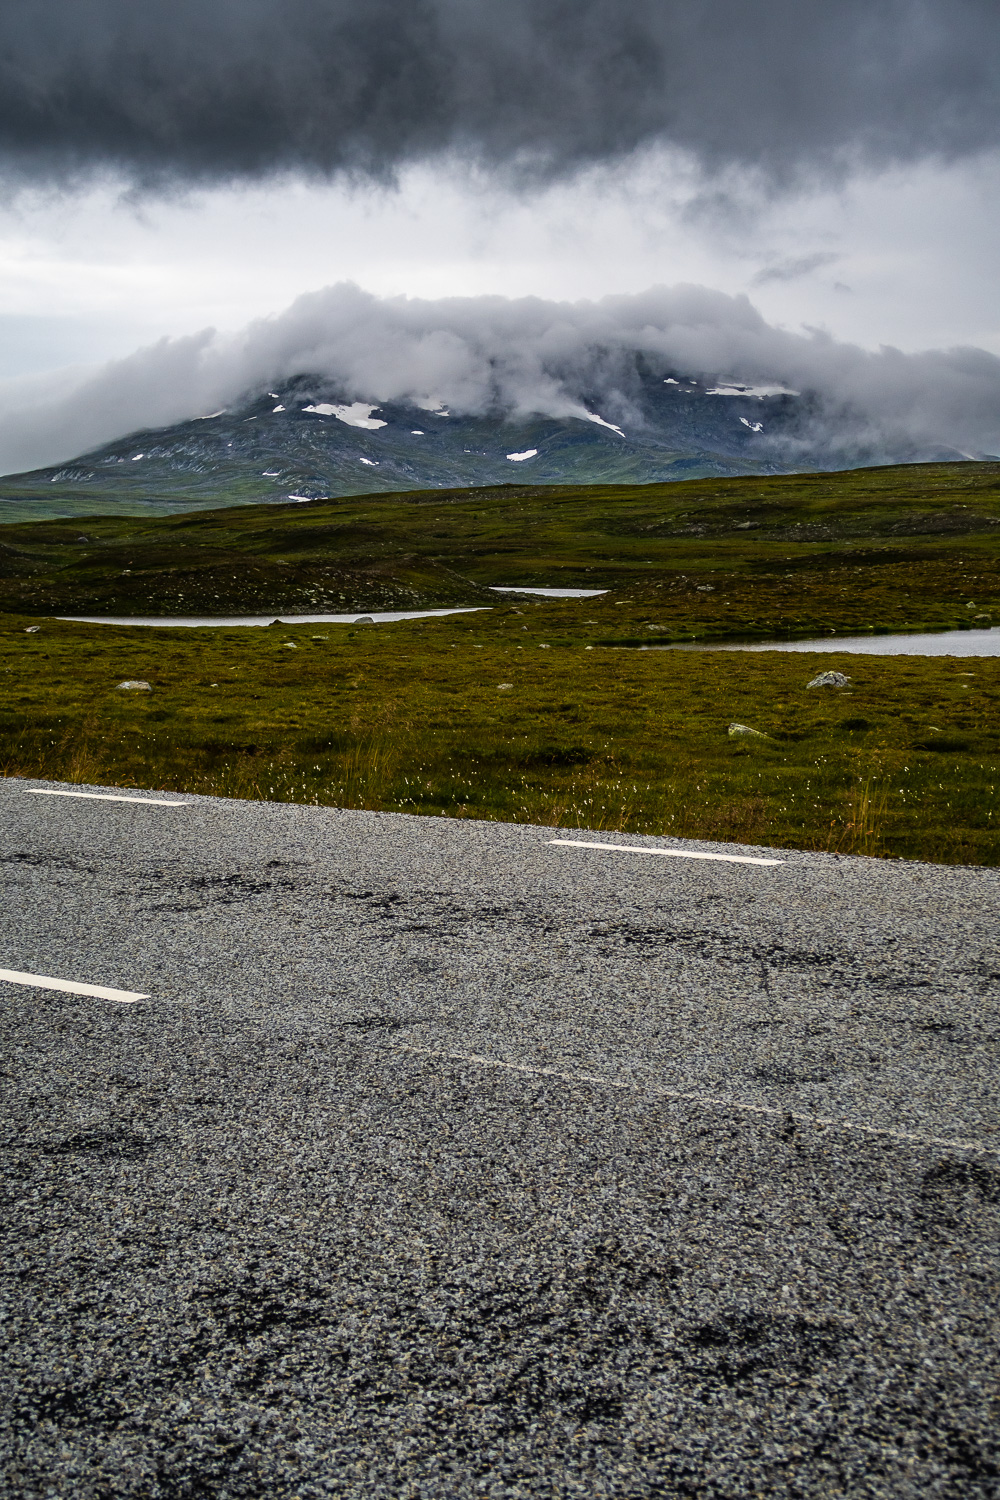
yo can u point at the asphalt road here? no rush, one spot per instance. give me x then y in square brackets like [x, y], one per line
[444, 1161]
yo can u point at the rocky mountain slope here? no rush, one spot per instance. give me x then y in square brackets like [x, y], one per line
[306, 441]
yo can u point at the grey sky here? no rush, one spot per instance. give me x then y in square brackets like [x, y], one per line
[200, 165]
[213, 89]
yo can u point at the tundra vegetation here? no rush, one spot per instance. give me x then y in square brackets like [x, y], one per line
[528, 710]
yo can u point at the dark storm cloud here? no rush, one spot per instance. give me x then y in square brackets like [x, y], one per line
[202, 90]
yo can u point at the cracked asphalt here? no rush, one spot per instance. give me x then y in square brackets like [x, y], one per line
[442, 1161]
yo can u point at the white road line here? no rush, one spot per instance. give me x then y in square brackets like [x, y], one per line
[44, 791]
[710, 1100]
[731, 859]
[47, 982]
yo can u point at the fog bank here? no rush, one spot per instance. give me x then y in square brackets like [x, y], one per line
[517, 357]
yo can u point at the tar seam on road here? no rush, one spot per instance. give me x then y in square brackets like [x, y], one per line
[821, 1121]
[731, 859]
[47, 982]
[43, 791]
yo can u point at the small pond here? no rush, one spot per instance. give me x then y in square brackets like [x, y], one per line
[496, 588]
[937, 643]
[377, 617]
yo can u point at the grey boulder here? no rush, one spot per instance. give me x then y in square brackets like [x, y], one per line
[743, 731]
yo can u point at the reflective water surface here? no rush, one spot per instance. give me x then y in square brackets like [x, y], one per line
[497, 588]
[938, 643]
[377, 617]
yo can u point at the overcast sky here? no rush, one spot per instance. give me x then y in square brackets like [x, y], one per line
[202, 163]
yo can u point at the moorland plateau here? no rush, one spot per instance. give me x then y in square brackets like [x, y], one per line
[529, 710]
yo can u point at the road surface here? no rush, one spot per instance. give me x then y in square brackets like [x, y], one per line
[440, 1159]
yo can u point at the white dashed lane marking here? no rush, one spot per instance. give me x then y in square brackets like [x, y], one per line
[44, 791]
[711, 1101]
[70, 986]
[730, 859]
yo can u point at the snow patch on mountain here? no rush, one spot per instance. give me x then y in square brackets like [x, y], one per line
[593, 417]
[358, 414]
[760, 391]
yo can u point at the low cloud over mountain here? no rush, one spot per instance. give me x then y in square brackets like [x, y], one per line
[491, 356]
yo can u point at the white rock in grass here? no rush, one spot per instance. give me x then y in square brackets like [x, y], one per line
[829, 679]
[743, 731]
[134, 685]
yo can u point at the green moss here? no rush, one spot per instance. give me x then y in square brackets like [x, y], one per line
[875, 549]
[412, 718]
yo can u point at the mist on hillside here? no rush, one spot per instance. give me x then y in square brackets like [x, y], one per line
[518, 357]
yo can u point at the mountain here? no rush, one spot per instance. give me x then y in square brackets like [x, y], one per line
[305, 441]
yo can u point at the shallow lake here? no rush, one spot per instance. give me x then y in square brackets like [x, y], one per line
[497, 588]
[377, 617]
[936, 643]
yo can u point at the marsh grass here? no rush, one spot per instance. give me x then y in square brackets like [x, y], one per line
[522, 712]
[871, 550]
[411, 718]
[862, 830]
